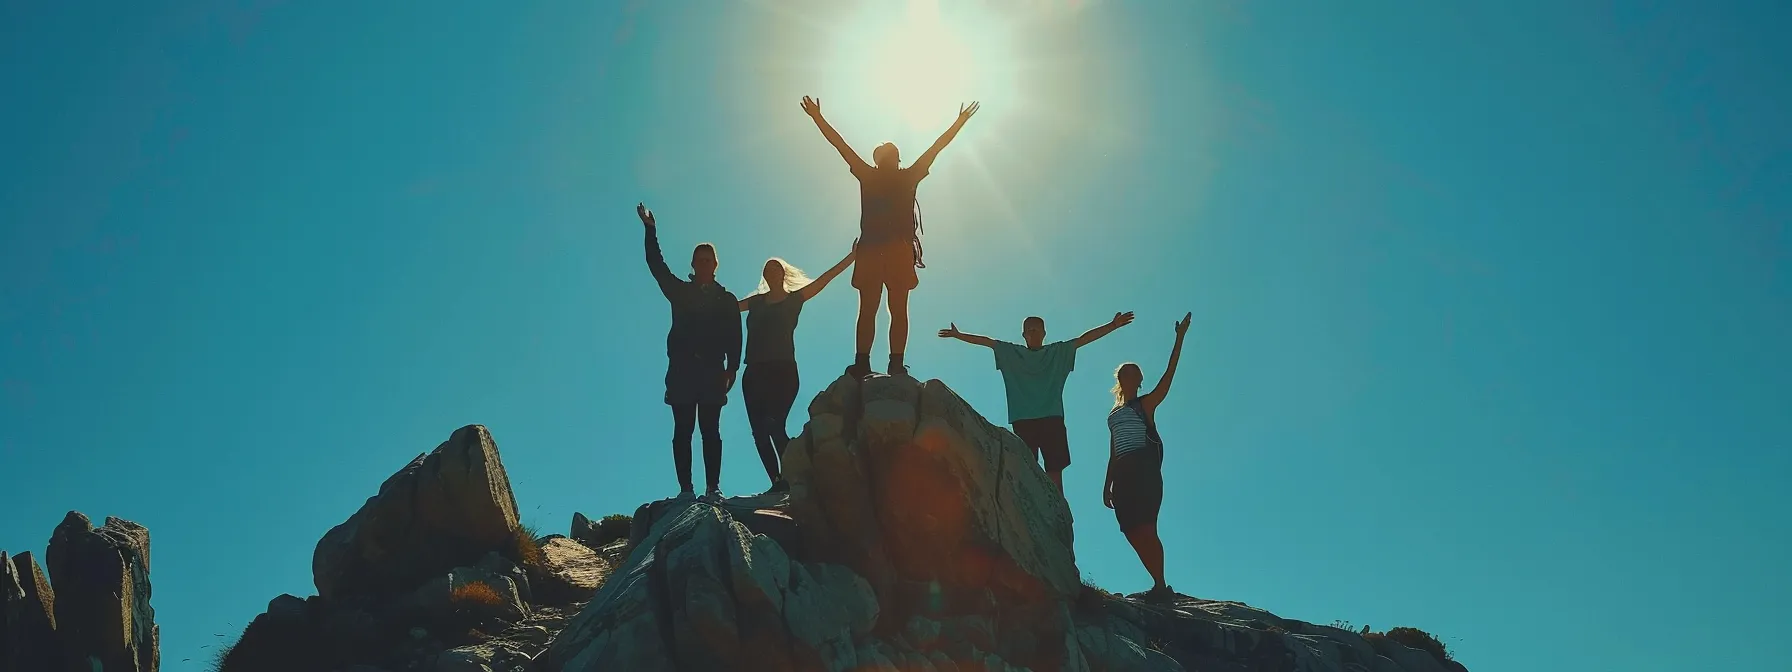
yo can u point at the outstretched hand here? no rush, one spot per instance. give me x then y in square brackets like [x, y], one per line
[1182, 326]
[1122, 319]
[951, 332]
[812, 107]
[964, 111]
[645, 215]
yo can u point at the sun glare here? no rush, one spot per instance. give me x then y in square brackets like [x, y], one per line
[918, 64]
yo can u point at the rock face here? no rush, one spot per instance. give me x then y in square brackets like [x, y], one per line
[916, 536]
[432, 573]
[571, 572]
[97, 616]
[27, 616]
[443, 510]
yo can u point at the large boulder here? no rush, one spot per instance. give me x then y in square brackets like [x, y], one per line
[443, 510]
[27, 616]
[915, 534]
[702, 592]
[949, 516]
[101, 575]
[570, 572]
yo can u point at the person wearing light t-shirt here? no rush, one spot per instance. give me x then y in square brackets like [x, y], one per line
[1034, 376]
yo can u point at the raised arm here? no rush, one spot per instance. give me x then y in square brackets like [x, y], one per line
[812, 106]
[810, 290]
[973, 339]
[656, 263]
[1090, 336]
[925, 162]
[1156, 395]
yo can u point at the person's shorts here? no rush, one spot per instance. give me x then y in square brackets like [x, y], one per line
[881, 265]
[696, 381]
[1138, 490]
[1047, 437]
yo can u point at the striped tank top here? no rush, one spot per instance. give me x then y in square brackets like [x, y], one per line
[1129, 431]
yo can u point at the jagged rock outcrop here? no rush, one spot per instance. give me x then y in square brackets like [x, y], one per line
[916, 536]
[434, 572]
[101, 575]
[443, 510]
[600, 533]
[27, 616]
[91, 612]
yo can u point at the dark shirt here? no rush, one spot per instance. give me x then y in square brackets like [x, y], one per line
[887, 203]
[705, 318]
[771, 328]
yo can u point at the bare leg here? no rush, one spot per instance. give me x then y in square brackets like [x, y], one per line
[868, 300]
[898, 321]
[1057, 479]
[1150, 549]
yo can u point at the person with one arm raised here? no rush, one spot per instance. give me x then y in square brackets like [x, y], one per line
[1034, 376]
[1134, 487]
[702, 352]
[889, 231]
[770, 384]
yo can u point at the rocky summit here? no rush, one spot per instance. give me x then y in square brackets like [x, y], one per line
[916, 537]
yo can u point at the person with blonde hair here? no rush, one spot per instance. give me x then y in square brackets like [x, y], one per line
[770, 384]
[1134, 487]
[889, 226]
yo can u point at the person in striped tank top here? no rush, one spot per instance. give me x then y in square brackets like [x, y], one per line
[1134, 487]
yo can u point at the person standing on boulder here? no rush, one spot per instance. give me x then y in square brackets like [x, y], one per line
[770, 384]
[1034, 376]
[889, 228]
[702, 352]
[1134, 487]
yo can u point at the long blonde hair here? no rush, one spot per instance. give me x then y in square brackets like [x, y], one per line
[1120, 393]
[794, 278]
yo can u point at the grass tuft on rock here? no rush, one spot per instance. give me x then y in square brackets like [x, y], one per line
[475, 593]
[1412, 638]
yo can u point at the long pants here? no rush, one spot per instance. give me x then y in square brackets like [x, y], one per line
[770, 389]
[685, 417]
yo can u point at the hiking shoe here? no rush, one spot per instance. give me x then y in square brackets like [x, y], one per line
[1159, 594]
[713, 497]
[686, 493]
[859, 371]
[779, 486]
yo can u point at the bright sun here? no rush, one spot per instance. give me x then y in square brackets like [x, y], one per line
[920, 65]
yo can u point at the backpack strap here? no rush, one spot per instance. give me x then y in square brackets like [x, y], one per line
[916, 237]
[1138, 406]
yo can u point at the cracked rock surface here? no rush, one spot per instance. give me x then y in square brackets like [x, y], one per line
[919, 537]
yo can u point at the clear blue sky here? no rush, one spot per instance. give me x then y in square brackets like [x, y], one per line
[1491, 302]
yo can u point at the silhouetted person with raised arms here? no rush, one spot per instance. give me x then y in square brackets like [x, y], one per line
[702, 352]
[1134, 487]
[1034, 376]
[770, 384]
[890, 249]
